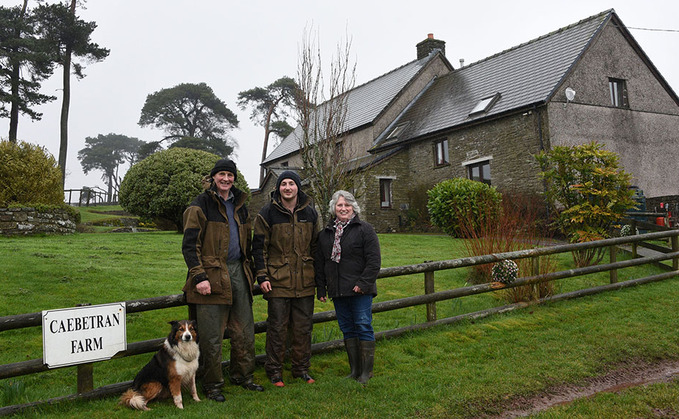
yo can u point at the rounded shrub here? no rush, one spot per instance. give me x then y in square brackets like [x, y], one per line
[29, 175]
[459, 205]
[162, 185]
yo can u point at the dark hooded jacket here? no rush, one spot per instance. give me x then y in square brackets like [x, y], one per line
[206, 244]
[359, 263]
[283, 246]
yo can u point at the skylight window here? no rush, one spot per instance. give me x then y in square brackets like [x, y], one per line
[396, 131]
[485, 104]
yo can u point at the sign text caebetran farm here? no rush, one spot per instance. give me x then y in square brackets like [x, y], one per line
[83, 334]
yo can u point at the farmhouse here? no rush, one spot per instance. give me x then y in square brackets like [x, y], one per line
[428, 121]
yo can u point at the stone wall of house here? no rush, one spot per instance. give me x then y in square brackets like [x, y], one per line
[385, 220]
[29, 221]
[510, 145]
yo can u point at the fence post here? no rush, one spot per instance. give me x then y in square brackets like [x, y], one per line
[85, 377]
[613, 250]
[675, 247]
[634, 245]
[429, 289]
[535, 270]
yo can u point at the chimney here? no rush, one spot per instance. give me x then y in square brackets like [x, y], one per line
[428, 45]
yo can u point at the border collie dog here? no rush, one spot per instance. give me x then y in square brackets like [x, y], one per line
[171, 368]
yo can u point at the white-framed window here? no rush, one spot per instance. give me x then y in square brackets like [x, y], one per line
[385, 193]
[441, 157]
[618, 91]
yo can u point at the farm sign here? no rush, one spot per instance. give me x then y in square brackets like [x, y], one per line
[83, 334]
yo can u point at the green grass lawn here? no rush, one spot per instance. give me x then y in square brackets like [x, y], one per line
[103, 218]
[462, 370]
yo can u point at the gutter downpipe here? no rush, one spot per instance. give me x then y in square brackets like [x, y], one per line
[538, 115]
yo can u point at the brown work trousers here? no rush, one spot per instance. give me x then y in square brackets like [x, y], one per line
[212, 320]
[296, 316]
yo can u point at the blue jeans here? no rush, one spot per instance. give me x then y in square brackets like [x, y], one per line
[354, 316]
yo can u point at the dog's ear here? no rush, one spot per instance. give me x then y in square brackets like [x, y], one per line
[193, 323]
[173, 323]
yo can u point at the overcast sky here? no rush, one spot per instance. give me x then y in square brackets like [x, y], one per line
[237, 45]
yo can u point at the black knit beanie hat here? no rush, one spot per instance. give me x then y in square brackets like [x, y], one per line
[225, 164]
[289, 174]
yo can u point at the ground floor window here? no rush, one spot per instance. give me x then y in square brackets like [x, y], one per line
[479, 171]
[385, 193]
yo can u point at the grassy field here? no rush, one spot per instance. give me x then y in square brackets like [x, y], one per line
[463, 370]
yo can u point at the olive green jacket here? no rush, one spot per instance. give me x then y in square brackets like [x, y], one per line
[206, 243]
[283, 247]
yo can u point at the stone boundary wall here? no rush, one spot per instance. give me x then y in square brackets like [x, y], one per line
[29, 221]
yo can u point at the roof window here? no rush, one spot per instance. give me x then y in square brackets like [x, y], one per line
[396, 131]
[485, 104]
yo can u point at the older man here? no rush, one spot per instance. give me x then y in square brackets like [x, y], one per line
[217, 251]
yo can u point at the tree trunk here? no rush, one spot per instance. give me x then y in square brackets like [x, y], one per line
[16, 75]
[110, 189]
[63, 125]
[14, 111]
[65, 104]
[267, 131]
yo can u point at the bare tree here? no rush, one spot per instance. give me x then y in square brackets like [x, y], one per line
[322, 120]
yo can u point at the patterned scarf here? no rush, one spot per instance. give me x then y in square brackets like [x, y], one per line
[336, 254]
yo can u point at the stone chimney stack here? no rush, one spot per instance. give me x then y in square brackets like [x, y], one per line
[428, 45]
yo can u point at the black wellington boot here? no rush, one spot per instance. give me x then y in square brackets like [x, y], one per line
[367, 360]
[354, 355]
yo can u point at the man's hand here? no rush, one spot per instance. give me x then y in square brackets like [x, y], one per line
[204, 288]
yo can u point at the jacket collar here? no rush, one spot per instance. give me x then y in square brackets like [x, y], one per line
[238, 196]
[331, 222]
[302, 199]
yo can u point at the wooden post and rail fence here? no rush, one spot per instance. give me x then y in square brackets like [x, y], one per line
[428, 299]
[87, 197]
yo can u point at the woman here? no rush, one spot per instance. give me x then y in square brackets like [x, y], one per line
[347, 263]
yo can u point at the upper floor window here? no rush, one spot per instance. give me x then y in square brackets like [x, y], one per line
[618, 90]
[284, 164]
[441, 153]
[479, 171]
[385, 193]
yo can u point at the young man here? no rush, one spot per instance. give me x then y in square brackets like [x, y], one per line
[218, 289]
[283, 247]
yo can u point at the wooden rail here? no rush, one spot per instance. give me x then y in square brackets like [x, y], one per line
[429, 298]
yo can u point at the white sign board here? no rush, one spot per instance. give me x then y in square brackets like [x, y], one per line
[83, 334]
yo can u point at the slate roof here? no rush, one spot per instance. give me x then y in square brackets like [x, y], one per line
[364, 103]
[524, 75]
